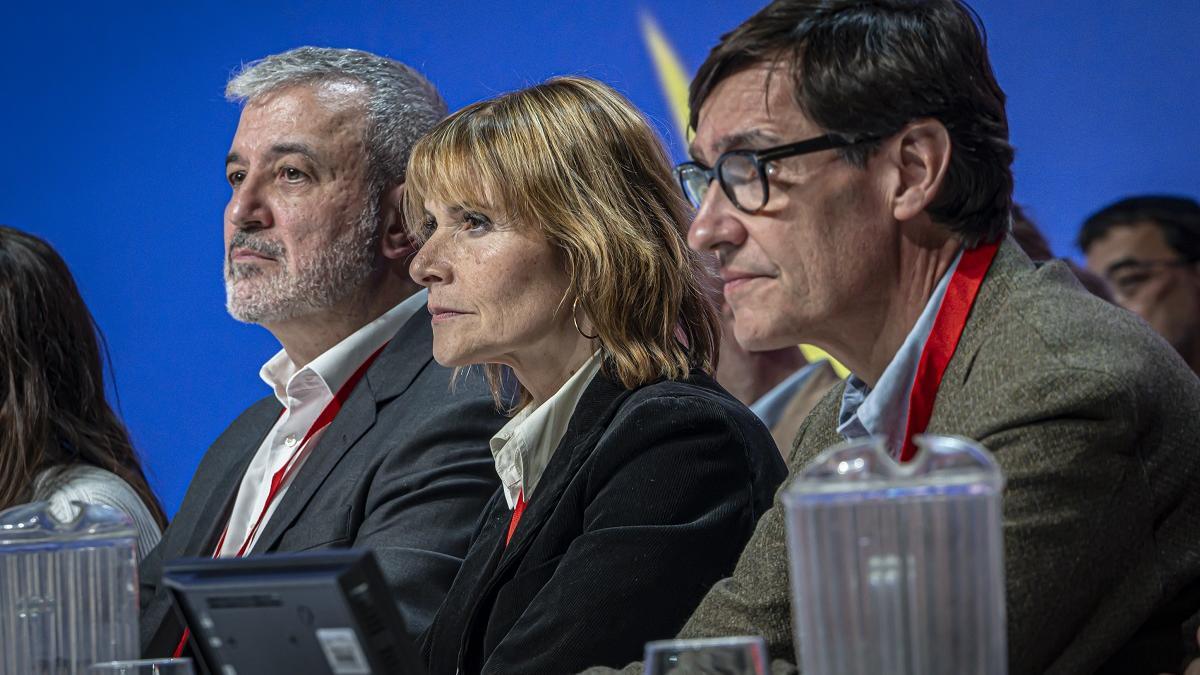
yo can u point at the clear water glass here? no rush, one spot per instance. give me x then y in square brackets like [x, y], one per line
[144, 667]
[743, 655]
[898, 568]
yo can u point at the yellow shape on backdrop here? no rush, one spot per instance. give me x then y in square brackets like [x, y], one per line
[814, 353]
[672, 77]
[674, 81]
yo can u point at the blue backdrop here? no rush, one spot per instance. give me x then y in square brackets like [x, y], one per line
[115, 130]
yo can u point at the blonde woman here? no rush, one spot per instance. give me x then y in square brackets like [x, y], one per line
[554, 254]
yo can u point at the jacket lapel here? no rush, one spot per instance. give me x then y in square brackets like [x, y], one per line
[589, 420]
[232, 457]
[394, 370]
[1010, 262]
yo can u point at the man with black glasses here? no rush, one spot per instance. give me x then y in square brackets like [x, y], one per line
[1148, 249]
[852, 174]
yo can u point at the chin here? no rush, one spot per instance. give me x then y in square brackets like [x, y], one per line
[756, 337]
[449, 359]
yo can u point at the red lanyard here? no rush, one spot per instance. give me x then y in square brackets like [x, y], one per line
[284, 474]
[943, 339]
[516, 516]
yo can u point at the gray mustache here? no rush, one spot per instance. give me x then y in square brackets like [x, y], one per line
[243, 239]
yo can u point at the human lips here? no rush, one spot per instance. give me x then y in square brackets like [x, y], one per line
[248, 255]
[736, 280]
[441, 314]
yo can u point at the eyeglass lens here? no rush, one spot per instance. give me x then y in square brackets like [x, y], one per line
[741, 180]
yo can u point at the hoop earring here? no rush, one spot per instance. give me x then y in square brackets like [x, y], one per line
[575, 320]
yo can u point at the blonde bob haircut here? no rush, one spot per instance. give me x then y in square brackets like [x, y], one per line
[574, 159]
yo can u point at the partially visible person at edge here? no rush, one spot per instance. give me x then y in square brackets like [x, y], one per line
[361, 442]
[1148, 248]
[1031, 240]
[780, 385]
[60, 441]
[554, 253]
[861, 202]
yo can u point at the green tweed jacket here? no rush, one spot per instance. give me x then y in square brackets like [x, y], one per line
[1095, 422]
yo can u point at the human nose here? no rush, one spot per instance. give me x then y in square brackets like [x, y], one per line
[248, 207]
[429, 266]
[716, 224]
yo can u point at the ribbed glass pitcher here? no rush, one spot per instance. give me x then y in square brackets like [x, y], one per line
[898, 568]
[68, 589]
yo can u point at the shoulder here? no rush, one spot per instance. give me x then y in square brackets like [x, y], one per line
[1051, 329]
[697, 397]
[92, 485]
[694, 416]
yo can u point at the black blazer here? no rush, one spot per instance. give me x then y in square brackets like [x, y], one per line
[403, 470]
[646, 502]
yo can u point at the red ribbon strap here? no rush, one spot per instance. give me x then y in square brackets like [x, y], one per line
[943, 339]
[284, 474]
[516, 516]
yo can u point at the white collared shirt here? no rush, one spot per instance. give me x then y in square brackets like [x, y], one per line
[304, 393]
[523, 447]
[883, 410]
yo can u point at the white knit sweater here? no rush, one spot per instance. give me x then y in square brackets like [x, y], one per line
[92, 485]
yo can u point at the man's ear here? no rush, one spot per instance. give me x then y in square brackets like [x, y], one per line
[923, 158]
[395, 241]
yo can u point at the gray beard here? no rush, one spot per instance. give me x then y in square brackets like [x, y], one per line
[311, 284]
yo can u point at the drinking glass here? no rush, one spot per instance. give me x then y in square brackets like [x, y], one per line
[145, 667]
[742, 655]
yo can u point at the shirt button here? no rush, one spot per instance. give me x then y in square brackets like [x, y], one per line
[290, 440]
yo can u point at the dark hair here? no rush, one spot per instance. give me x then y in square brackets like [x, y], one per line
[53, 411]
[1029, 237]
[1177, 217]
[1031, 240]
[869, 67]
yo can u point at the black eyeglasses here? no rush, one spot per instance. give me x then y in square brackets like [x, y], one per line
[743, 173]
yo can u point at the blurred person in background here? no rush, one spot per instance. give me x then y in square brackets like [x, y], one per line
[554, 253]
[1031, 240]
[1148, 249]
[60, 441]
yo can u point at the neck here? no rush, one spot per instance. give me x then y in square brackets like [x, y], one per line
[749, 375]
[543, 369]
[868, 339]
[304, 338]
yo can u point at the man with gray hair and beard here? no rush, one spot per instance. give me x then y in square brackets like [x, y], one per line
[362, 442]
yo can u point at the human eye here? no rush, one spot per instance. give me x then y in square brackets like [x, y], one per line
[428, 227]
[476, 223]
[1127, 283]
[235, 177]
[291, 174]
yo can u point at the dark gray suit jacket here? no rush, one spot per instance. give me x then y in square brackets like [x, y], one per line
[403, 470]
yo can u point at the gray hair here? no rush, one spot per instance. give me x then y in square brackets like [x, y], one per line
[401, 106]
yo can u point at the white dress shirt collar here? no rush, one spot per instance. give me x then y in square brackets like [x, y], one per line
[329, 371]
[523, 447]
